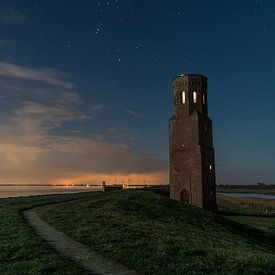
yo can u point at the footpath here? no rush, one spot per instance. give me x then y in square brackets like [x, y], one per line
[74, 250]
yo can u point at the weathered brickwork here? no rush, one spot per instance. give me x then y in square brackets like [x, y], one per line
[192, 163]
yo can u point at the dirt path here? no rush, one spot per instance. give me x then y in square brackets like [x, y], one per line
[72, 249]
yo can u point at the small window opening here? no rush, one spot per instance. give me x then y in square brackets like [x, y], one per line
[210, 167]
[203, 98]
[194, 96]
[183, 99]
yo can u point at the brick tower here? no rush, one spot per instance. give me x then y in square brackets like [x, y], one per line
[192, 163]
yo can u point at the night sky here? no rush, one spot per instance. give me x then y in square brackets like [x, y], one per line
[85, 87]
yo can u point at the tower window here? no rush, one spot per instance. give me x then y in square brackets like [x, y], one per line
[183, 99]
[194, 96]
[203, 98]
[210, 167]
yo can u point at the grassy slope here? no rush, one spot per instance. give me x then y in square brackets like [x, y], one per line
[152, 234]
[21, 251]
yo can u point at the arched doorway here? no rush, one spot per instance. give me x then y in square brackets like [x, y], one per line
[184, 196]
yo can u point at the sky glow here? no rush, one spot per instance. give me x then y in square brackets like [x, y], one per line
[85, 87]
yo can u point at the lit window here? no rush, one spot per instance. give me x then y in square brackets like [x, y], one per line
[183, 99]
[194, 96]
[203, 98]
[210, 167]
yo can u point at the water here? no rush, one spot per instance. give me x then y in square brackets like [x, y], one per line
[249, 195]
[24, 191]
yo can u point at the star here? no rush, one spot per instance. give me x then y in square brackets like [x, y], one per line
[98, 29]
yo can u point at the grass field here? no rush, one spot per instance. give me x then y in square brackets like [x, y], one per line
[256, 213]
[266, 189]
[21, 251]
[150, 233]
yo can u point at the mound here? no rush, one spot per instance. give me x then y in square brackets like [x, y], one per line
[150, 233]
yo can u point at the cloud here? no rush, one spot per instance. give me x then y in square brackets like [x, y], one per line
[36, 119]
[29, 152]
[120, 134]
[47, 76]
[40, 140]
[10, 16]
[96, 155]
[135, 114]
[100, 108]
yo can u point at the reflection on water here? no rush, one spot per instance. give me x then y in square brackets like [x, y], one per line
[248, 195]
[22, 191]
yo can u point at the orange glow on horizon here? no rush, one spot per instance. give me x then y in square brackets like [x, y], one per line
[154, 178]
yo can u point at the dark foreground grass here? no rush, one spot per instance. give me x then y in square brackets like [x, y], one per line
[21, 251]
[152, 234]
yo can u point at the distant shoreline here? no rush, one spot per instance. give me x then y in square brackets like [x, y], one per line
[51, 185]
[24, 198]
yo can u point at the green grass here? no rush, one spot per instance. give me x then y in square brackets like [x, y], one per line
[152, 234]
[267, 189]
[256, 213]
[246, 205]
[265, 224]
[22, 251]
